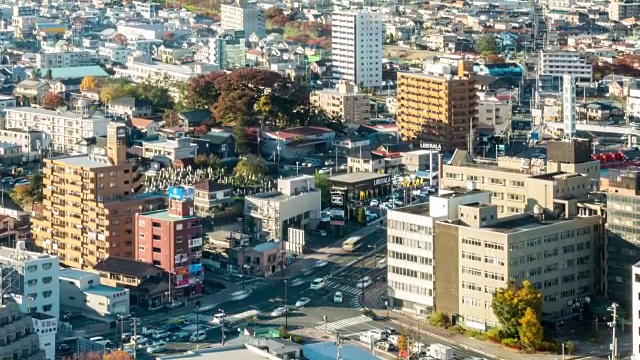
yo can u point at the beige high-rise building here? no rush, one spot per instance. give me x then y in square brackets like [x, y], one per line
[438, 106]
[344, 101]
[90, 202]
[557, 255]
[517, 184]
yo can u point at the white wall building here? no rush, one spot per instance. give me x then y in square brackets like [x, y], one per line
[170, 150]
[492, 111]
[357, 47]
[559, 63]
[635, 300]
[66, 128]
[66, 59]
[296, 204]
[7, 101]
[46, 326]
[81, 289]
[633, 104]
[114, 52]
[37, 288]
[410, 255]
[141, 31]
[33, 143]
[243, 16]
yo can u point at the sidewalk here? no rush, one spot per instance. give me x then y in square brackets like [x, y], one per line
[295, 268]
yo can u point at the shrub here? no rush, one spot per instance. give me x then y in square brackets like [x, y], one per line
[494, 335]
[458, 329]
[476, 334]
[549, 346]
[512, 343]
[570, 347]
[439, 319]
[297, 339]
[282, 331]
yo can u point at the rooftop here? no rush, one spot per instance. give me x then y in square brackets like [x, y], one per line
[75, 274]
[9, 253]
[82, 161]
[42, 316]
[68, 115]
[457, 191]
[103, 290]
[123, 266]
[266, 246]
[217, 354]
[328, 351]
[517, 223]
[419, 209]
[164, 215]
[76, 72]
[357, 177]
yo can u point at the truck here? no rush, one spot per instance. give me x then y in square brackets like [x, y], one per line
[440, 352]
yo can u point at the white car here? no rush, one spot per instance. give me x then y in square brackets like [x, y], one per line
[279, 311]
[139, 340]
[324, 170]
[364, 282]
[156, 347]
[198, 336]
[317, 284]
[303, 302]
[343, 166]
[337, 297]
[329, 162]
[320, 264]
[374, 202]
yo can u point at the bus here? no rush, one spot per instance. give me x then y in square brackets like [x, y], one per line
[352, 244]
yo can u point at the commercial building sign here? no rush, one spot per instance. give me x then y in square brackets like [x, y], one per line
[336, 199]
[195, 242]
[382, 181]
[195, 268]
[430, 146]
[180, 193]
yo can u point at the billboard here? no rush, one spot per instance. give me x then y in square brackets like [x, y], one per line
[195, 268]
[180, 193]
[296, 242]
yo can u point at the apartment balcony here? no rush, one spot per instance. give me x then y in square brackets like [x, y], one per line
[74, 197]
[74, 187]
[73, 177]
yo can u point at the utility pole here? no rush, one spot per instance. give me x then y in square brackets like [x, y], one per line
[324, 317]
[121, 333]
[135, 338]
[197, 325]
[362, 274]
[286, 307]
[222, 328]
[613, 324]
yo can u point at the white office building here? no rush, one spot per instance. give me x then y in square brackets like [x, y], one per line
[66, 59]
[46, 326]
[81, 289]
[243, 16]
[410, 248]
[559, 63]
[116, 53]
[357, 47]
[67, 128]
[32, 279]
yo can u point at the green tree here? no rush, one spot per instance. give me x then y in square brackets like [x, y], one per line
[115, 90]
[487, 45]
[250, 169]
[48, 74]
[362, 216]
[158, 96]
[240, 136]
[570, 347]
[36, 73]
[530, 330]
[204, 161]
[324, 185]
[510, 303]
[35, 186]
[439, 319]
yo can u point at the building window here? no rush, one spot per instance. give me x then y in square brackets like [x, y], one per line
[140, 222]
[178, 227]
[157, 250]
[141, 247]
[179, 239]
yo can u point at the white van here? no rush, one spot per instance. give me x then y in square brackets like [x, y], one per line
[161, 335]
[317, 284]
[394, 339]
[100, 340]
[198, 336]
[378, 335]
[365, 337]
[218, 318]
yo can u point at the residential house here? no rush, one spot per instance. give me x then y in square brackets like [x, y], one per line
[147, 127]
[210, 196]
[322, 68]
[169, 150]
[82, 290]
[146, 282]
[219, 143]
[32, 89]
[295, 142]
[66, 85]
[194, 118]
[265, 259]
[599, 111]
[347, 144]
[130, 106]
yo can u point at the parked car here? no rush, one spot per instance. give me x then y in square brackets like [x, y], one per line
[337, 297]
[320, 264]
[329, 162]
[198, 336]
[279, 311]
[321, 233]
[303, 302]
[156, 347]
[374, 202]
[171, 328]
[174, 305]
[139, 340]
[126, 337]
[324, 170]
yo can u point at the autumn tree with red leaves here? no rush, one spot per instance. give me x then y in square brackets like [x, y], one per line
[52, 101]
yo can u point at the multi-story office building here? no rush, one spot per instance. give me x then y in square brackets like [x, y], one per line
[32, 279]
[623, 9]
[227, 51]
[344, 101]
[558, 255]
[623, 234]
[243, 16]
[357, 47]
[172, 240]
[46, 326]
[20, 341]
[67, 129]
[410, 232]
[116, 53]
[560, 63]
[66, 59]
[89, 203]
[518, 184]
[296, 204]
[438, 106]
[33, 143]
[635, 317]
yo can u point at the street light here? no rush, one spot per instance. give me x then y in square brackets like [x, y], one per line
[222, 322]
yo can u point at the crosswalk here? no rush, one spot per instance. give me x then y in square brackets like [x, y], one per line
[344, 323]
[344, 288]
[355, 303]
[202, 318]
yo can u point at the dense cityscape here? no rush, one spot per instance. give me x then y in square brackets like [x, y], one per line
[429, 180]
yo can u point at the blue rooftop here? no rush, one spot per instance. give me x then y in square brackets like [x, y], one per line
[77, 72]
[75, 274]
[328, 351]
[271, 245]
[103, 290]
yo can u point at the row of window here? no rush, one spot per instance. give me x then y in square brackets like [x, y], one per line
[487, 244]
[417, 244]
[410, 257]
[411, 273]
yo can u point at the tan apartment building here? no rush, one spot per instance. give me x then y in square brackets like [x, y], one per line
[517, 184]
[89, 204]
[438, 106]
[558, 255]
[344, 101]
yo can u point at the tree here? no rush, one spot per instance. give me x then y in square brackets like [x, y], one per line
[510, 303]
[204, 161]
[117, 355]
[158, 96]
[487, 45]
[570, 347]
[362, 216]
[201, 91]
[439, 319]
[89, 83]
[36, 73]
[495, 59]
[250, 169]
[22, 191]
[171, 118]
[119, 39]
[48, 74]
[52, 101]
[35, 186]
[530, 330]
[402, 343]
[200, 130]
[115, 90]
[324, 185]
[240, 136]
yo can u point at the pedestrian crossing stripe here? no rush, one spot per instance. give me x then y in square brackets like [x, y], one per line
[341, 324]
[344, 288]
[355, 303]
[203, 318]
